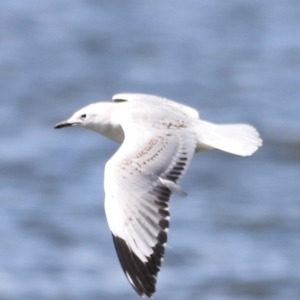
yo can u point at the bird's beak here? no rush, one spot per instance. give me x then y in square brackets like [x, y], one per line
[63, 124]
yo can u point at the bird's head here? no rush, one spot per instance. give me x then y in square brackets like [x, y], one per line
[91, 116]
[96, 117]
[85, 117]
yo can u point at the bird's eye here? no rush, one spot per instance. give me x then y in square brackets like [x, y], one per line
[83, 116]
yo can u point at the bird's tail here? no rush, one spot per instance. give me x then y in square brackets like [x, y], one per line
[239, 139]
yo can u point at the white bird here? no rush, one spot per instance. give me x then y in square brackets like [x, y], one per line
[159, 138]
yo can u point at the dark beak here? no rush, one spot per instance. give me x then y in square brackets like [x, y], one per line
[63, 124]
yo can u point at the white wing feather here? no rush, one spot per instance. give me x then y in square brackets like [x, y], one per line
[137, 194]
[134, 171]
[177, 107]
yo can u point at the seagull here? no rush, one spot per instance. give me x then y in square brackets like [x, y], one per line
[158, 139]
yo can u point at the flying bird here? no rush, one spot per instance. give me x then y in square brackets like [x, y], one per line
[158, 139]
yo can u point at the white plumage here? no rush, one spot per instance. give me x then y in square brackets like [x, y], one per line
[159, 138]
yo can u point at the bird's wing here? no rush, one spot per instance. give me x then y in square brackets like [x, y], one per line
[173, 106]
[139, 180]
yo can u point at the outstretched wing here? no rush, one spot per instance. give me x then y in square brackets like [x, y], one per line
[139, 180]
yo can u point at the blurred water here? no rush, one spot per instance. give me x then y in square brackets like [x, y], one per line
[237, 234]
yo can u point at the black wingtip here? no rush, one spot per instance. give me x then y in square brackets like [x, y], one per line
[141, 275]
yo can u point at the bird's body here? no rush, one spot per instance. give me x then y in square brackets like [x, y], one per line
[159, 138]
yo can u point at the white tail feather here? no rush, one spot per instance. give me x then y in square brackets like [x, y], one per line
[239, 139]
